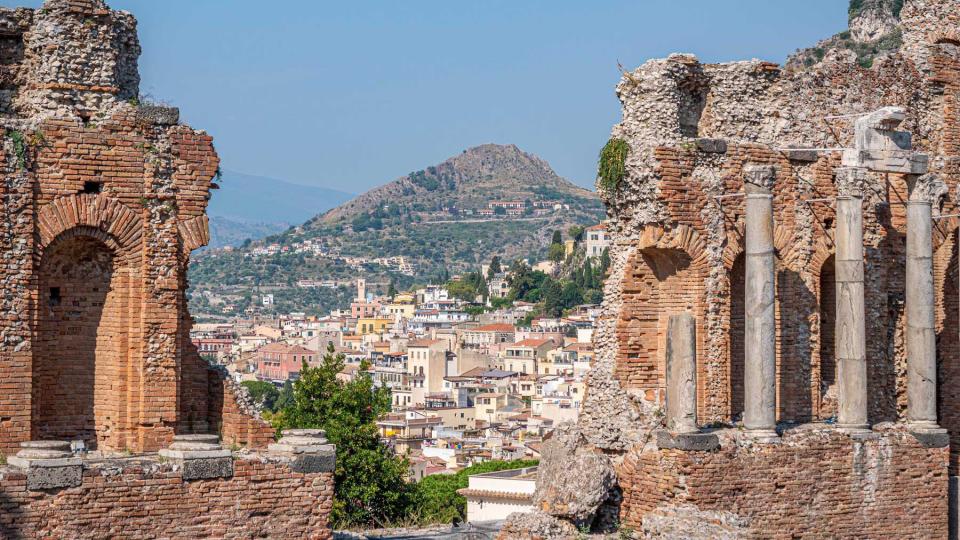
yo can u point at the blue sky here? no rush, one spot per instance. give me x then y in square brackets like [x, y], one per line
[351, 94]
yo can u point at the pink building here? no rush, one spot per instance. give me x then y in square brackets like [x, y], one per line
[281, 362]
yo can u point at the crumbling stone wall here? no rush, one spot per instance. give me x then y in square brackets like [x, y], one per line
[678, 246]
[103, 199]
[144, 498]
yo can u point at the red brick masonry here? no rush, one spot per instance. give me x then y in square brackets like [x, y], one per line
[143, 498]
[817, 480]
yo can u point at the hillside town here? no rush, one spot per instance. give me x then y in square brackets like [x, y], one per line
[469, 382]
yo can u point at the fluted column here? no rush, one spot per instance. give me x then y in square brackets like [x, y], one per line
[682, 373]
[921, 339]
[851, 339]
[760, 414]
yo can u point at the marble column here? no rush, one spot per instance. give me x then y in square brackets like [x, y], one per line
[921, 339]
[850, 335]
[760, 363]
[682, 373]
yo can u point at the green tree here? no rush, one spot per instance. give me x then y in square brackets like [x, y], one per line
[552, 298]
[604, 263]
[576, 232]
[587, 278]
[556, 253]
[263, 393]
[370, 482]
[571, 295]
[392, 289]
[557, 238]
[495, 267]
[285, 399]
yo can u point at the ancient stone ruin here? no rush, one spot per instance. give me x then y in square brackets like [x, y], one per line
[780, 354]
[103, 199]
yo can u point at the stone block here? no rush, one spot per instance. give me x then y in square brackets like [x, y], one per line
[712, 146]
[799, 154]
[893, 161]
[194, 454]
[50, 473]
[690, 442]
[318, 462]
[199, 469]
[932, 438]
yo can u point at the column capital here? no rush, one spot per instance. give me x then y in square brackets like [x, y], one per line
[850, 181]
[759, 179]
[928, 188]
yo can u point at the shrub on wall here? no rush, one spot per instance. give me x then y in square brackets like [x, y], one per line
[613, 164]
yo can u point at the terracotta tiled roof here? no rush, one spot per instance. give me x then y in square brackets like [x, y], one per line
[497, 327]
[423, 343]
[532, 342]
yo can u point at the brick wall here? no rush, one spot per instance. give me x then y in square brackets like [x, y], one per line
[671, 269]
[816, 483]
[146, 499]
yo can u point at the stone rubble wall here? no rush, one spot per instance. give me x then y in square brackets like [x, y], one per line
[145, 498]
[816, 482]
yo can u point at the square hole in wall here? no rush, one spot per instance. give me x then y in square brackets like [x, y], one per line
[55, 296]
[92, 187]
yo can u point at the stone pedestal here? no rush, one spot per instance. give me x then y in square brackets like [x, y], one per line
[48, 464]
[760, 392]
[851, 341]
[308, 450]
[201, 456]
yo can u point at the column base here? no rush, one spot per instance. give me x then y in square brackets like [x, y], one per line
[854, 428]
[929, 434]
[768, 436]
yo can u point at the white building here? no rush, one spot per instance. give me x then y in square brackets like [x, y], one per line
[597, 240]
[494, 496]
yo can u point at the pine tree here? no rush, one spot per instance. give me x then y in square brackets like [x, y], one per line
[495, 267]
[557, 238]
[588, 280]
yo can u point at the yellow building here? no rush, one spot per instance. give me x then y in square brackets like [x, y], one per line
[397, 310]
[372, 325]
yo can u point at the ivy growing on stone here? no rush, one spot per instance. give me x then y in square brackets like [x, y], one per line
[613, 164]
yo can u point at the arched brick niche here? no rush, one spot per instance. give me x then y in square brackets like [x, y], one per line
[662, 279]
[86, 323]
[81, 345]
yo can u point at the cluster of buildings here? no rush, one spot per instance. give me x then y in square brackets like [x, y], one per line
[464, 388]
[515, 208]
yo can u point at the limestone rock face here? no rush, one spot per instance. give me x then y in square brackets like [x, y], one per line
[873, 20]
[572, 482]
[535, 526]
